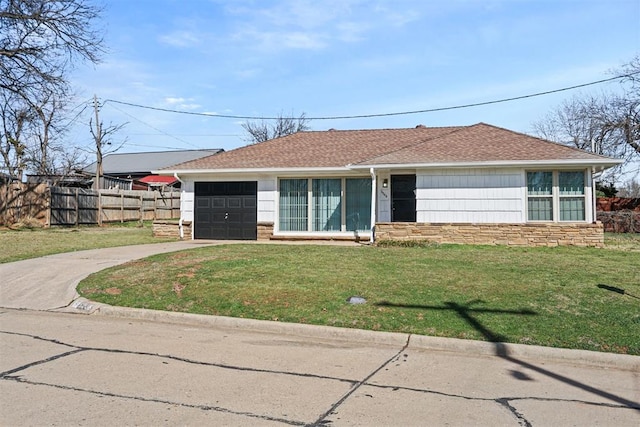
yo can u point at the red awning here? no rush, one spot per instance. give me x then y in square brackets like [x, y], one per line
[158, 179]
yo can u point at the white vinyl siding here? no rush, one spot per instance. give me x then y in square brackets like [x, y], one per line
[267, 200]
[469, 196]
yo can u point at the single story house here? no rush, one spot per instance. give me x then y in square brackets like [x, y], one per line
[476, 184]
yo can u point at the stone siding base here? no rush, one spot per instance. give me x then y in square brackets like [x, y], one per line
[265, 230]
[591, 235]
[171, 229]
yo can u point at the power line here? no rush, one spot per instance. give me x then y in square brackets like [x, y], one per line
[152, 127]
[364, 116]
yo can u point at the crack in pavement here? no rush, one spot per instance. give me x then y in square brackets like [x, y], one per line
[176, 358]
[322, 420]
[505, 402]
[161, 401]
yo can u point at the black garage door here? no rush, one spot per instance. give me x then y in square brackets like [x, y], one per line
[226, 210]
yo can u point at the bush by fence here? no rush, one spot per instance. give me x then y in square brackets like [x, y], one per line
[620, 221]
[76, 206]
[619, 214]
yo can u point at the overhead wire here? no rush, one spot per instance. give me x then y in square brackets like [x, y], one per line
[153, 127]
[364, 116]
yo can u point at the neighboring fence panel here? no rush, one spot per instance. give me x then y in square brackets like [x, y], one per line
[20, 202]
[71, 206]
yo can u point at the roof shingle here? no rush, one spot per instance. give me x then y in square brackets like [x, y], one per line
[420, 145]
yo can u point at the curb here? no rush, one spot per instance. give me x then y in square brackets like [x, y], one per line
[507, 351]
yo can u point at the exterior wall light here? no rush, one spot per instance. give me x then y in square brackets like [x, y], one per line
[385, 183]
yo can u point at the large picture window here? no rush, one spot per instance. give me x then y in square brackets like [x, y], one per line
[556, 196]
[325, 204]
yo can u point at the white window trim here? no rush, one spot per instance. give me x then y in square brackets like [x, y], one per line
[555, 195]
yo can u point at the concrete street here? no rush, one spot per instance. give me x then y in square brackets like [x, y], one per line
[140, 367]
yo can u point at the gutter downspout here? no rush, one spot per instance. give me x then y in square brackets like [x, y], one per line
[374, 190]
[594, 195]
[180, 228]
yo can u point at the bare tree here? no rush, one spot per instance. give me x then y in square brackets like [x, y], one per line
[262, 130]
[607, 124]
[630, 189]
[40, 42]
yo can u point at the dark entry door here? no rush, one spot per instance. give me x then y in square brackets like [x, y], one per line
[226, 210]
[403, 198]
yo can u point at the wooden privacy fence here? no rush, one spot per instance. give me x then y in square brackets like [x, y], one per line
[75, 206]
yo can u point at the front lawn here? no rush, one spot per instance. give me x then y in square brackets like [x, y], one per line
[27, 243]
[563, 297]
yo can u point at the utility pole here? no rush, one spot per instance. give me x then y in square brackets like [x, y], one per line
[97, 135]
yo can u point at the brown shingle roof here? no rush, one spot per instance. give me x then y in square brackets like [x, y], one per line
[420, 145]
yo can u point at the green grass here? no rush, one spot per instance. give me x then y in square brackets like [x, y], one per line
[543, 296]
[27, 243]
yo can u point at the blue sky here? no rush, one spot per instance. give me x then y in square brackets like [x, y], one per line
[342, 58]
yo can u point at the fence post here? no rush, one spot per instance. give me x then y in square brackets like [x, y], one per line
[47, 211]
[121, 206]
[141, 208]
[155, 205]
[77, 207]
[99, 208]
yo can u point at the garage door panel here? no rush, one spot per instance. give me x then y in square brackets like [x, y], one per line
[203, 203]
[234, 202]
[218, 202]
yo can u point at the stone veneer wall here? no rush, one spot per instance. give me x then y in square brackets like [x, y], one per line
[265, 230]
[171, 229]
[555, 234]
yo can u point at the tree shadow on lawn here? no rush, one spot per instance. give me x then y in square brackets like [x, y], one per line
[466, 312]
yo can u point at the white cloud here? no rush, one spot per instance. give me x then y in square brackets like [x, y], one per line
[180, 39]
[181, 103]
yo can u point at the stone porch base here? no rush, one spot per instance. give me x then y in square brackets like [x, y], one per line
[171, 228]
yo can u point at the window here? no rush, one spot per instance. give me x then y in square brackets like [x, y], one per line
[571, 191]
[556, 195]
[327, 209]
[325, 205]
[358, 204]
[293, 205]
[540, 196]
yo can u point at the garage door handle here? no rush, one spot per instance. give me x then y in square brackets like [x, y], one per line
[226, 216]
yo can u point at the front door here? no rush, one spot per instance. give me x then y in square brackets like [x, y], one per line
[403, 198]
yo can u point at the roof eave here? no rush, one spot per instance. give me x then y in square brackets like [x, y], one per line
[598, 163]
[251, 170]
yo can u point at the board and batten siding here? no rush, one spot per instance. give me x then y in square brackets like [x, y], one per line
[470, 196]
[267, 195]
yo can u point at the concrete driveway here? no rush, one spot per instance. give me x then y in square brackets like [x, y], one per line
[50, 282]
[143, 367]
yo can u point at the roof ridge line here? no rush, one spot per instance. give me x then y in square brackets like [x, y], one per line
[454, 129]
